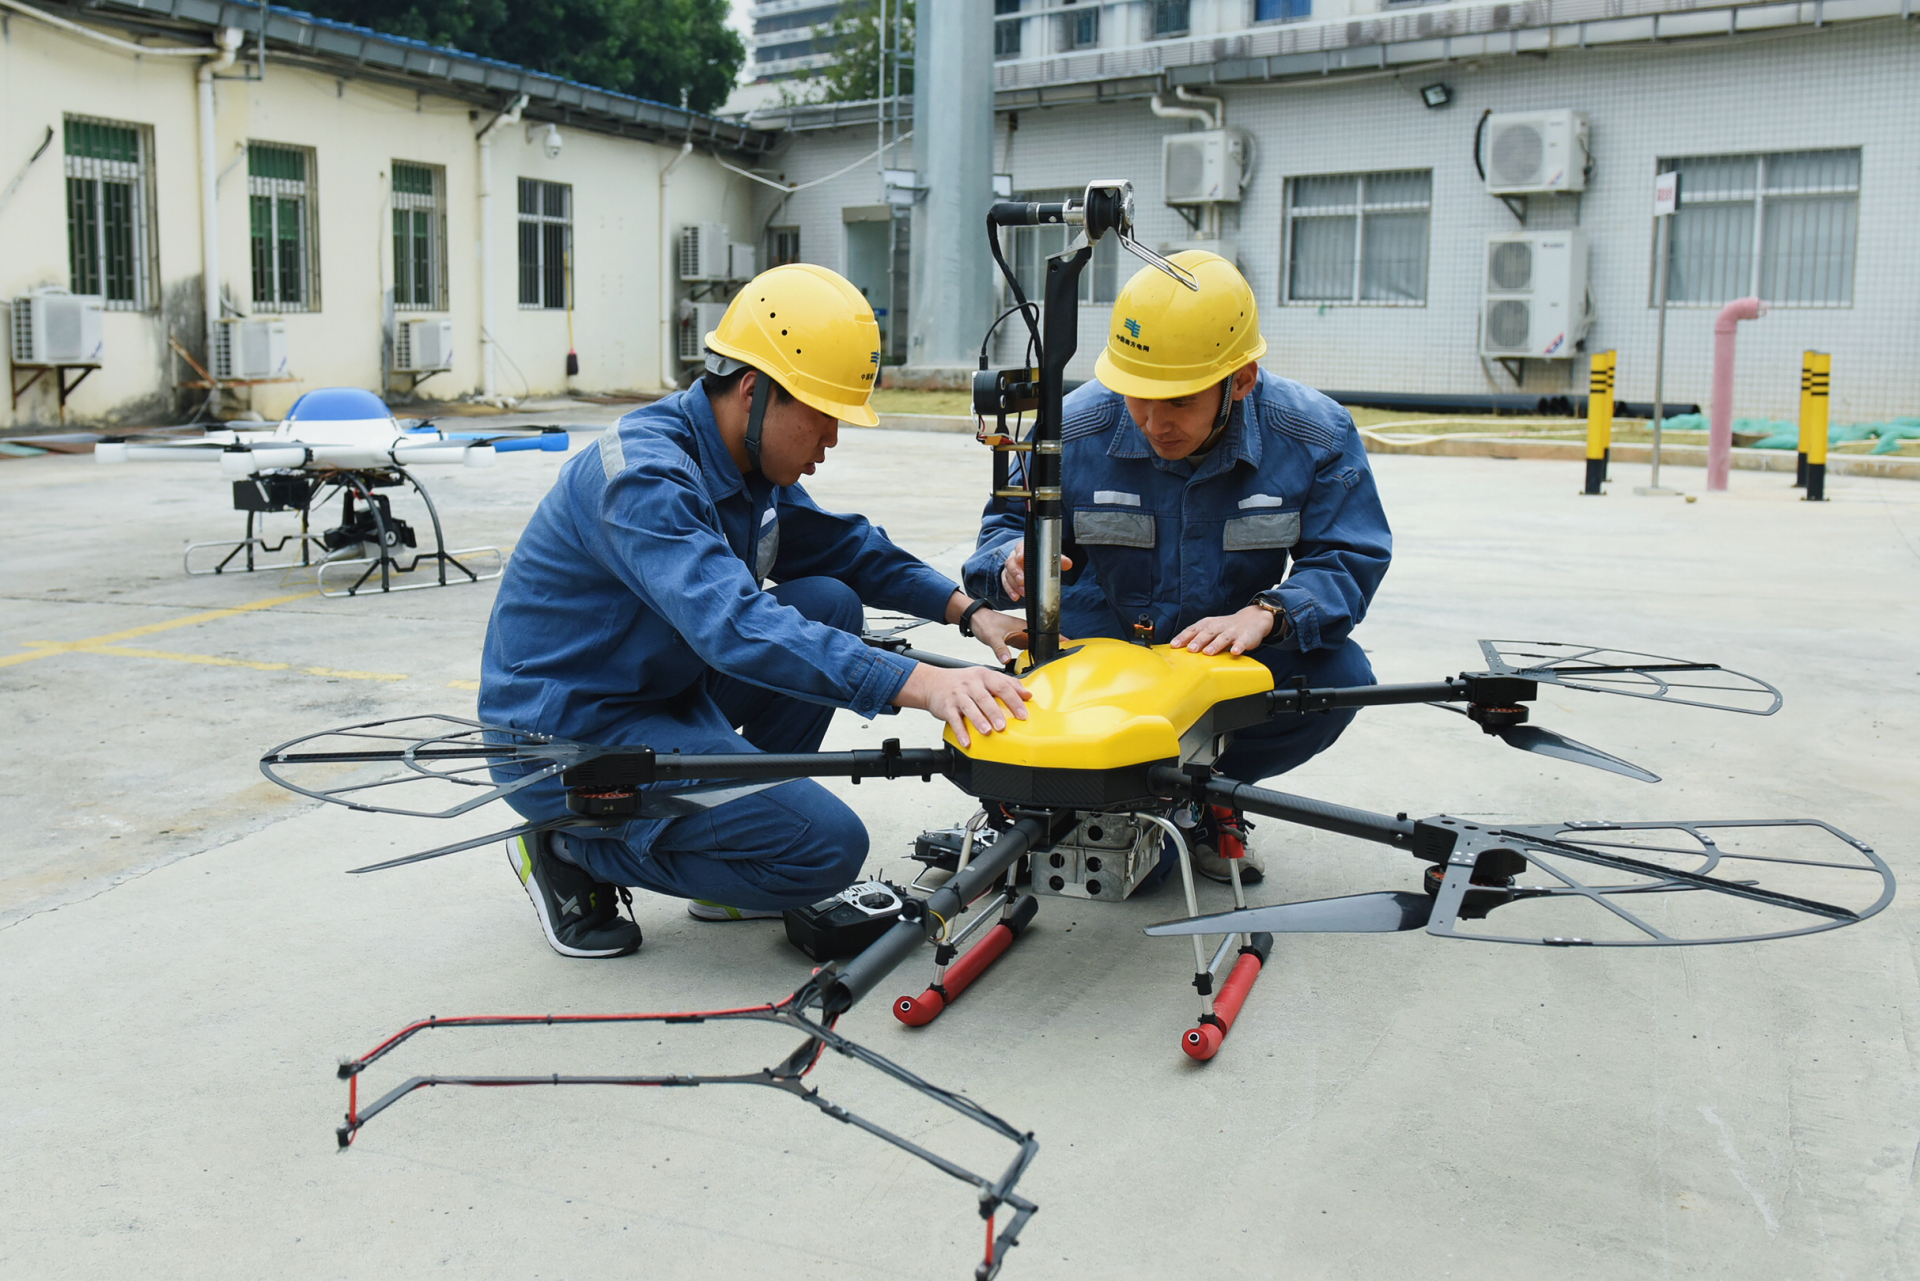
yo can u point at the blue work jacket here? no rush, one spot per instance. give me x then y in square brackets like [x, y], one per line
[1287, 485]
[641, 573]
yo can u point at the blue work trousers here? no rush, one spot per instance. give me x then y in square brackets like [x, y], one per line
[787, 846]
[1291, 740]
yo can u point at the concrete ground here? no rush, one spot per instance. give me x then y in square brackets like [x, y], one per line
[184, 960]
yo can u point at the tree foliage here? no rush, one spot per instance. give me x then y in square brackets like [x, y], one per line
[673, 51]
[853, 75]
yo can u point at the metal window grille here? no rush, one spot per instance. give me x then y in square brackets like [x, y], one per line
[1780, 226]
[286, 253]
[1358, 238]
[1032, 246]
[1170, 18]
[1080, 29]
[546, 243]
[419, 237]
[1006, 35]
[1284, 10]
[110, 244]
[783, 246]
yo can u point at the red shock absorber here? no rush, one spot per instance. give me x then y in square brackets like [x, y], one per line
[918, 1011]
[1229, 832]
[1203, 1041]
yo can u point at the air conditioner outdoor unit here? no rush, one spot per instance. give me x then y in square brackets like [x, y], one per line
[1203, 168]
[250, 350]
[1535, 301]
[697, 320]
[422, 346]
[53, 327]
[1537, 151]
[703, 251]
[739, 261]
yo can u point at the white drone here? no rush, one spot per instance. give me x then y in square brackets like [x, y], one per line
[340, 440]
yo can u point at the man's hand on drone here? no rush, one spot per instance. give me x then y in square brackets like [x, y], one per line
[1013, 575]
[960, 695]
[1239, 632]
[997, 631]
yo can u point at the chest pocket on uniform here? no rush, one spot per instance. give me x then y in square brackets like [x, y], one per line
[768, 551]
[1113, 529]
[1261, 531]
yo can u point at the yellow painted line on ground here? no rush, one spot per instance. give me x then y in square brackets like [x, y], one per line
[463, 684]
[207, 660]
[47, 649]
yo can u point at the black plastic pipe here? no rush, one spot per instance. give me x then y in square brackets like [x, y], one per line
[1567, 406]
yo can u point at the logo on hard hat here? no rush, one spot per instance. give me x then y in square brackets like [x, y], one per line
[1132, 326]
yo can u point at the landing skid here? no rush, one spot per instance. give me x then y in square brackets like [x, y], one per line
[367, 523]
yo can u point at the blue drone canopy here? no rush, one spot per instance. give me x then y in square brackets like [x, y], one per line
[337, 404]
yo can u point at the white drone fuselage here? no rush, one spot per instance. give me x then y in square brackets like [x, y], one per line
[340, 445]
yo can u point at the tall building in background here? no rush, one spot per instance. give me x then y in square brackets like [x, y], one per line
[791, 39]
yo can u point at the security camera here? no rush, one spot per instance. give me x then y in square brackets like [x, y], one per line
[548, 137]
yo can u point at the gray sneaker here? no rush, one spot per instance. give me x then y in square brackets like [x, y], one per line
[579, 915]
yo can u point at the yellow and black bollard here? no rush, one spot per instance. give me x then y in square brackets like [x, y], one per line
[1599, 418]
[1813, 423]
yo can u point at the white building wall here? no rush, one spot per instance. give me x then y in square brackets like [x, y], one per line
[357, 129]
[1851, 86]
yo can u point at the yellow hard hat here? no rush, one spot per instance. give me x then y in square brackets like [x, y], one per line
[812, 332]
[1165, 340]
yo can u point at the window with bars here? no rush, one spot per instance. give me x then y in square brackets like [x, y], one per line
[419, 237]
[1080, 28]
[1169, 18]
[110, 249]
[783, 246]
[1006, 35]
[1358, 238]
[1780, 227]
[546, 243]
[286, 255]
[1032, 246]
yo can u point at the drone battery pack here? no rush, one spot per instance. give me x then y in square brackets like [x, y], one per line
[843, 926]
[271, 494]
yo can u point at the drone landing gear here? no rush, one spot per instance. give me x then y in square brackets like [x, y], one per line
[951, 977]
[369, 537]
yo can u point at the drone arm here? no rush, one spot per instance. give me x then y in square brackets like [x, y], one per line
[644, 767]
[1483, 692]
[1386, 829]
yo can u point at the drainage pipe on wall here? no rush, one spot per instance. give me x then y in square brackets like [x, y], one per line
[669, 355]
[228, 42]
[505, 120]
[1720, 427]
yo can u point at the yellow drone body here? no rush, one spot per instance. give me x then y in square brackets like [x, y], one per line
[1104, 713]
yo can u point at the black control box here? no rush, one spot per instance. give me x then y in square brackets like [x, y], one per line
[842, 927]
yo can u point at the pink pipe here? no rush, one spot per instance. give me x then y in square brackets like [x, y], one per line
[1720, 430]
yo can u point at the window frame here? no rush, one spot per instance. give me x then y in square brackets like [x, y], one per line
[1074, 21]
[1358, 211]
[1157, 10]
[420, 211]
[1299, 11]
[278, 193]
[1008, 28]
[1029, 248]
[139, 269]
[543, 223]
[1757, 197]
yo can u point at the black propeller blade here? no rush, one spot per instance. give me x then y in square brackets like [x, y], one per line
[1546, 742]
[1383, 912]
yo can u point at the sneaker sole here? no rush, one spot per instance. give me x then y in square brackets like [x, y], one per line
[521, 860]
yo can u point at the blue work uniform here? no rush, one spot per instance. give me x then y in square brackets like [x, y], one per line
[1284, 500]
[633, 612]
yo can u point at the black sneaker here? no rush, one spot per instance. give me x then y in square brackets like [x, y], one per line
[580, 916]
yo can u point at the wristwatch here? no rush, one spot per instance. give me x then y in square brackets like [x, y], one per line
[966, 616]
[1270, 601]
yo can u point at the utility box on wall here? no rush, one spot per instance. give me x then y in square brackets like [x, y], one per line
[423, 345]
[251, 350]
[1203, 168]
[53, 327]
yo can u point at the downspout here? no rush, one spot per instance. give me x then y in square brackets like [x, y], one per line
[228, 42]
[1166, 111]
[669, 365]
[505, 120]
[1720, 431]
